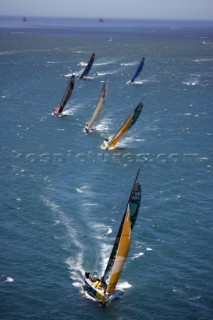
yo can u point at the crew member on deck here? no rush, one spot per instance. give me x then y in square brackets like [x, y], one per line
[106, 143]
[103, 284]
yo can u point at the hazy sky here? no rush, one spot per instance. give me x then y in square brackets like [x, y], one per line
[139, 9]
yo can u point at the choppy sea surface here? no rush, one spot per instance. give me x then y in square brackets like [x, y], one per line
[62, 196]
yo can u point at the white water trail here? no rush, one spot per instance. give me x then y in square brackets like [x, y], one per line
[75, 262]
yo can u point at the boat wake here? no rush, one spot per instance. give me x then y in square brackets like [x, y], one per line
[68, 75]
[82, 64]
[203, 60]
[101, 74]
[73, 73]
[72, 110]
[76, 271]
[89, 78]
[139, 82]
[105, 63]
[128, 64]
[75, 263]
[126, 142]
[104, 125]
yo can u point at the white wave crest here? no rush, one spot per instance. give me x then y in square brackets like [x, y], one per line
[103, 63]
[81, 189]
[127, 64]
[51, 62]
[77, 284]
[99, 74]
[124, 285]
[82, 64]
[137, 255]
[191, 82]
[109, 231]
[90, 204]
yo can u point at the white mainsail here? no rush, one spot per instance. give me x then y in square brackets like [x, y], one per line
[99, 108]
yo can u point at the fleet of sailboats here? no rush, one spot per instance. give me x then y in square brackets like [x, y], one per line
[103, 289]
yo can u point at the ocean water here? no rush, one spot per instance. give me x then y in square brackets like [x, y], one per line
[62, 196]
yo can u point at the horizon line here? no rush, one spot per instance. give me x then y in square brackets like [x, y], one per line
[110, 18]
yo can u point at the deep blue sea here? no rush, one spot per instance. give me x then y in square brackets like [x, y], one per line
[63, 197]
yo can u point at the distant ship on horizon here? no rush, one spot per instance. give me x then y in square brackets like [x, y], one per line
[101, 19]
[24, 19]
